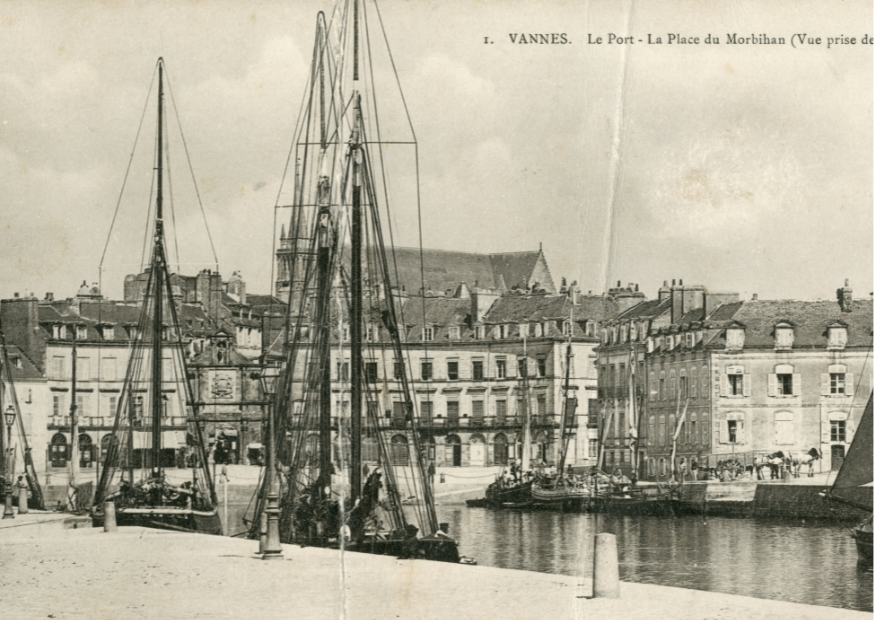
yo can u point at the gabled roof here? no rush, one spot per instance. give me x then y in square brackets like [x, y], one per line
[21, 367]
[516, 269]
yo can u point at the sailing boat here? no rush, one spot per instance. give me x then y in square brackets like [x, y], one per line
[858, 470]
[563, 488]
[137, 474]
[350, 493]
[9, 398]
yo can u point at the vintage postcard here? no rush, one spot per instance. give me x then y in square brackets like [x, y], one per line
[416, 308]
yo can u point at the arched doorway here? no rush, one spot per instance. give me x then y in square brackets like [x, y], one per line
[502, 452]
[400, 454]
[477, 450]
[85, 453]
[58, 450]
[453, 451]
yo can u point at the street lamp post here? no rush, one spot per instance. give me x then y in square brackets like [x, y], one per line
[10, 420]
[272, 546]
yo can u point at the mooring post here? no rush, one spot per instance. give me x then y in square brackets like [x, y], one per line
[22, 500]
[262, 538]
[109, 524]
[605, 580]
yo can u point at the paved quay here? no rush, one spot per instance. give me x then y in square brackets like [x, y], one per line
[52, 571]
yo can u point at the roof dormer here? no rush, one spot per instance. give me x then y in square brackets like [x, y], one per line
[837, 335]
[784, 335]
[734, 336]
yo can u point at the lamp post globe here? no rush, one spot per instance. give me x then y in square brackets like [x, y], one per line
[9, 416]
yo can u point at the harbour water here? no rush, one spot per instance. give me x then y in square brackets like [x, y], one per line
[802, 562]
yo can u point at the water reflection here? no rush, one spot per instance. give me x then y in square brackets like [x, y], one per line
[811, 563]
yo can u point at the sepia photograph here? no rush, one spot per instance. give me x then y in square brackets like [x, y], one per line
[493, 309]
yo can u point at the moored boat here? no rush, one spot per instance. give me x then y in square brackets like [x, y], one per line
[137, 475]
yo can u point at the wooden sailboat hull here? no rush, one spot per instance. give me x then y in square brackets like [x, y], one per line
[863, 535]
[634, 504]
[565, 497]
[165, 518]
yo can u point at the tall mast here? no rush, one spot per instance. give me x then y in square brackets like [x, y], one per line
[526, 417]
[74, 430]
[356, 301]
[568, 408]
[158, 267]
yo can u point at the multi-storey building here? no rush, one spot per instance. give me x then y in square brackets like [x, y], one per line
[742, 378]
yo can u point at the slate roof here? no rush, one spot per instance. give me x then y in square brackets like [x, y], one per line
[811, 320]
[516, 269]
[20, 365]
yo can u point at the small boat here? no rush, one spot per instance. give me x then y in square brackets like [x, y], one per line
[856, 471]
[138, 476]
[565, 492]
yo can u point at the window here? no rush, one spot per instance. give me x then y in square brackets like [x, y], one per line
[784, 428]
[523, 330]
[501, 410]
[427, 371]
[342, 370]
[538, 330]
[425, 409]
[541, 366]
[428, 334]
[593, 448]
[113, 405]
[732, 431]
[452, 370]
[662, 392]
[58, 368]
[694, 382]
[735, 384]
[108, 332]
[837, 337]
[837, 383]
[478, 411]
[454, 333]
[541, 404]
[398, 369]
[480, 332]
[784, 336]
[372, 333]
[501, 368]
[371, 372]
[566, 328]
[784, 384]
[81, 332]
[452, 410]
[839, 430]
[108, 369]
[478, 370]
[58, 405]
[522, 365]
[684, 390]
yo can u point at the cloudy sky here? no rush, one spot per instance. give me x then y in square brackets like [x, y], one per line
[741, 167]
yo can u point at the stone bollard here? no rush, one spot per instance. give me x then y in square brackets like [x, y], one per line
[262, 537]
[22, 500]
[605, 580]
[109, 524]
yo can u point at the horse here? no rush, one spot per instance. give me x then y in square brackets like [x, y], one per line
[795, 462]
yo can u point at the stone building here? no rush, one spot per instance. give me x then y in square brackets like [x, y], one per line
[753, 377]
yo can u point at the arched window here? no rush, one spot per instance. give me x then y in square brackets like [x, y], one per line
[661, 430]
[400, 454]
[85, 450]
[58, 450]
[651, 434]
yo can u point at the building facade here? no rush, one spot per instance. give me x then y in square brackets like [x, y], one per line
[729, 380]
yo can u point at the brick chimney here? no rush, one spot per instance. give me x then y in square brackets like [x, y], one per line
[845, 297]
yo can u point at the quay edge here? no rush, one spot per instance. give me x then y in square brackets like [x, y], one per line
[160, 574]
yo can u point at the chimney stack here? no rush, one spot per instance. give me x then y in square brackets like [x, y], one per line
[845, 297]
